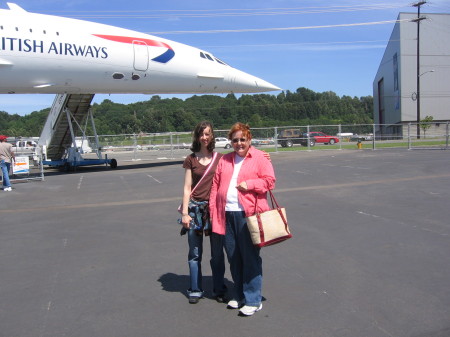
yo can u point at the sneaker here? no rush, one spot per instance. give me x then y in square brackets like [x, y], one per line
[247, 310]
[194, 296]
[234, 304]
[7, 189]
[193, 299]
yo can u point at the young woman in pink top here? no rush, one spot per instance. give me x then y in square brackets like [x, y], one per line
[239, 189]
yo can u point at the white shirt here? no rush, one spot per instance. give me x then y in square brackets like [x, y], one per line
[233, 204]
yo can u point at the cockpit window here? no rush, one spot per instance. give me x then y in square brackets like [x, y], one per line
[220, 61]
[211, 58]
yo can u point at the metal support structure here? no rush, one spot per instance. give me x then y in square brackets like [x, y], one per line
[135, 147]
[275, 138]
[373, 136]
[446, 136]
[69, 121]
[97, 143]
[309, 138]
[418, 4]
[409, 136]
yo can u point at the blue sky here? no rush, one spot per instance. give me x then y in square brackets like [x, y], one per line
[291, 43]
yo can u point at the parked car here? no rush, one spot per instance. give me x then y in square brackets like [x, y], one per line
[264, 141]
[320, 137]
[289, 137]
[256, 142]
[222, 142]
[358, 138]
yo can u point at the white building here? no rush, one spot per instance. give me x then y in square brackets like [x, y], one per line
[395, 84]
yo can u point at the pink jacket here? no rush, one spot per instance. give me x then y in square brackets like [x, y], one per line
[256, 170]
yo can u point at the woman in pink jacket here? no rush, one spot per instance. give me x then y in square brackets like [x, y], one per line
[239, 189]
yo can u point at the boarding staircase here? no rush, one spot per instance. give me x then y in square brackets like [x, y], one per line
[68, 113]
[57, 134]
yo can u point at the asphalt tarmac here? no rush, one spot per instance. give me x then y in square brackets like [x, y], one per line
[97, 252]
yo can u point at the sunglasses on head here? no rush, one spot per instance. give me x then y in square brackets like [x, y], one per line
[236, 140]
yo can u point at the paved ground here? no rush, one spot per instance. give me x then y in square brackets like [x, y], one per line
[97, 252]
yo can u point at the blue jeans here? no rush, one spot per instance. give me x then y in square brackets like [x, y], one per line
[217, 263]
[5, 170]
[244, 259]
[195, 261]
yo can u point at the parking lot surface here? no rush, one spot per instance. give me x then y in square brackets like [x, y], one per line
[97, 252]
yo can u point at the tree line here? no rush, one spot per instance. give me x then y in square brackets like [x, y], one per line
[302, 107]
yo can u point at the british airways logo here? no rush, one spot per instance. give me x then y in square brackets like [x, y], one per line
[162, 58]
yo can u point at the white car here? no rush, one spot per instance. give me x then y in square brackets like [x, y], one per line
[222, 142]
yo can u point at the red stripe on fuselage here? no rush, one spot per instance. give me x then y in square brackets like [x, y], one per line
[127, 39]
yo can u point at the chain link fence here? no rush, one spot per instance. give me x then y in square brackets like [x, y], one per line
[143, 146]
[175, 145]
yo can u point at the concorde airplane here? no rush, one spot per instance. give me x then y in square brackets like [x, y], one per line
[77, 59]
[50, 54]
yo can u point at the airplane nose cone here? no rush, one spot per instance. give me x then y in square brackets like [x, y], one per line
[266, 86]
[246, 83]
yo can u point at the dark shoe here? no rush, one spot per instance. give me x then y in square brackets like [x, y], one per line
[221, 298]
[194, 299]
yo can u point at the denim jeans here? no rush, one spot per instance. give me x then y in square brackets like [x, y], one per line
[217, 263]
[245, 261]
[5, 171]
[195, 262]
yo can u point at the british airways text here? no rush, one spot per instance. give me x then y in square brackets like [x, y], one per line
[56, 48]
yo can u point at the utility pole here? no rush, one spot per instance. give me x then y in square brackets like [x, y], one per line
[419, 18]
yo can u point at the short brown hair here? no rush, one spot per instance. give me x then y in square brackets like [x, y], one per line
[240, 127]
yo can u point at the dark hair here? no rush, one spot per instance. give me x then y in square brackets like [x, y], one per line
[196, 145]
[240, 127]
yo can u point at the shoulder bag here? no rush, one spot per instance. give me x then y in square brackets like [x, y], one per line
[270, 227]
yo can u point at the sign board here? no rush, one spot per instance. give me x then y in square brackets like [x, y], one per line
[21, 165]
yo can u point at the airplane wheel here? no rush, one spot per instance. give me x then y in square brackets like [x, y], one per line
[113, 163]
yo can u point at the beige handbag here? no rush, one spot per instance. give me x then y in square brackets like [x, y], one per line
[270, 227]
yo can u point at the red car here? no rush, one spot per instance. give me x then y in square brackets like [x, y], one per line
[320, 137]
[289, 137]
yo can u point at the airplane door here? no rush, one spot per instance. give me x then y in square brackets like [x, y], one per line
[140, 55]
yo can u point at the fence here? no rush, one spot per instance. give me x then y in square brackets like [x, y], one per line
[133, 147]
[174, 145]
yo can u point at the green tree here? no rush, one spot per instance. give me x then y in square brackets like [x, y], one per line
[300, 107]
[425, 124]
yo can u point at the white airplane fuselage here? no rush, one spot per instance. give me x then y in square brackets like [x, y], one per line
[50, 54]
